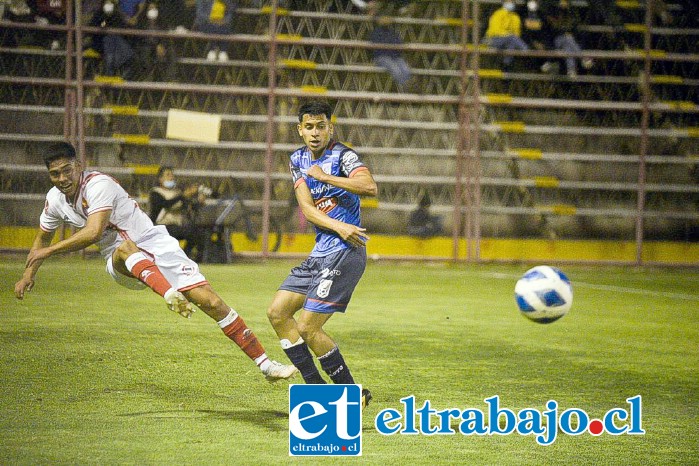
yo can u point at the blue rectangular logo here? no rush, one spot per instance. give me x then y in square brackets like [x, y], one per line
[325, 420]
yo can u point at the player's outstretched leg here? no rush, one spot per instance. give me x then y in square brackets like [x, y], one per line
[127, 257]
[234, 327]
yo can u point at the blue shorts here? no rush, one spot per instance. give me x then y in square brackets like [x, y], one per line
[329, 281]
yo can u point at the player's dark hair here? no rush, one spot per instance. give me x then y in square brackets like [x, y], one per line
[163, 169]
[315, 108]
[58, 151]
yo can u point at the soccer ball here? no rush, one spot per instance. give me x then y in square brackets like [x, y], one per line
[544, 294]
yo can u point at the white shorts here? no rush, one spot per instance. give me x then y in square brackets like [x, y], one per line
[179, 270]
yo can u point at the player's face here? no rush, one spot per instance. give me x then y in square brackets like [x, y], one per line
[65, 175]
[316, 132]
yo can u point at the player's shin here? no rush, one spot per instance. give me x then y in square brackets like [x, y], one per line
[147, 272]
[299, 354]
[334, 365]
[233, 326]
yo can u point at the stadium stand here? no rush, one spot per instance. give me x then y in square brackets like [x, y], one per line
[598, 156]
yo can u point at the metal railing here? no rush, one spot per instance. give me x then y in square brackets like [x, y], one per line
[467, 151]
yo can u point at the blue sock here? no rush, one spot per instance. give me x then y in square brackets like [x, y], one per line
[334, 365]
[301, 357]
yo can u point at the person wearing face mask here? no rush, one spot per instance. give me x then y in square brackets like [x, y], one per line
[505, 32]
[116, 51]
[177, 210]
[533, 30]
[156, 55]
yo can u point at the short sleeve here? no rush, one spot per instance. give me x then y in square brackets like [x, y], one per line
[100, 194]
[296, 175]
[350, 163]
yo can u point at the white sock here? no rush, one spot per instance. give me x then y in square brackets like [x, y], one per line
[263, 362]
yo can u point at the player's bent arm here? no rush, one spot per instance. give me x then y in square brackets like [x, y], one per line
[89, 234]
[361, 183]
[353, 234]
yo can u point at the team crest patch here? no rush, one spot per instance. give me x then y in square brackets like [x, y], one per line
[324, 288]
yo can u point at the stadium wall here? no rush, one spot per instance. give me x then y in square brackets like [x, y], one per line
[440, 248]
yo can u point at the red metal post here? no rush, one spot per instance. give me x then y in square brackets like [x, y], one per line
[645, 118]
[475, 135]
[69, 99]
[80, 86]
[462, 131]
[271, 104]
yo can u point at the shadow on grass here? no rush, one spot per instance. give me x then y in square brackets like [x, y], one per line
[271, 420]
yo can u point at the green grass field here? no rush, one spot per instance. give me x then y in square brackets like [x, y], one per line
[93, 373]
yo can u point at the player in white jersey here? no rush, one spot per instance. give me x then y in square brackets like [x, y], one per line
[138, 254]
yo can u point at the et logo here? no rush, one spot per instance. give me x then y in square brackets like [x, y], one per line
[325, 420]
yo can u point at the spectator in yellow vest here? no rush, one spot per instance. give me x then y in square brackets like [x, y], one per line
[505, 31]
[215, 17]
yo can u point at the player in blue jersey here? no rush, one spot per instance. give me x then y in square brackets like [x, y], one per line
[328, 179]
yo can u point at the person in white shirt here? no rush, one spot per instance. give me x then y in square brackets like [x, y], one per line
[137, 253]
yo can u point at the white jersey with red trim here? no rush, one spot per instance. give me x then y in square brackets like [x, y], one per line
[97, 192]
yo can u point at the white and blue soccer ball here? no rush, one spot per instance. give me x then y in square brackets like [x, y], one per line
[544, 294]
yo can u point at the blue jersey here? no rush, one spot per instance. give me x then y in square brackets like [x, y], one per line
[340, 204]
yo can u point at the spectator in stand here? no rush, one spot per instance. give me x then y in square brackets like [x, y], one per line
[49, 12]
[533, 29]
[117, 53]
[18, 11]
[662, 12]
[89, 10]
[505, 32]
[421, 222]
[215, 17]
[560, 25]
[157, 53]
[174, 14]
[178, 209]
[389, 59]
[132, 10]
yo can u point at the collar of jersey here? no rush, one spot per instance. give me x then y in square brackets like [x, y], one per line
[328, 149]
[77, 192]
